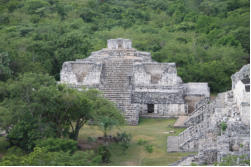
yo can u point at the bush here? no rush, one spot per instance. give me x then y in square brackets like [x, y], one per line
[234, 160]
[149, 148]
[4, 144]
[13, 5]
[14, 150]
[41, 157]
[104, 152]
[57, 144]
[223, 126]
[33, 6]
[141, 142]
[124, 140]
[91, 139]
[24, 134]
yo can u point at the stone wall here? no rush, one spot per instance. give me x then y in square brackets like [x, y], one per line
[242, 98]
[81, 73]
[171, 110]
[119, 44]
[195, 92]
[156, 74]
[206, 133]
[199, 89]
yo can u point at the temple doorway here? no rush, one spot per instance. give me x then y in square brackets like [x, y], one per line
[150, 108]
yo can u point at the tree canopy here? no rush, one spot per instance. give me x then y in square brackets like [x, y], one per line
[207, 39]
[35, 108]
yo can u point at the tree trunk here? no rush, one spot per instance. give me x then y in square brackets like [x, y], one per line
[75, 132]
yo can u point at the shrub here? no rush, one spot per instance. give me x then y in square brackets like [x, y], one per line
[124, 140]
[149, 148]
[33, 6]
[223, 126]
[104, 152]
[234, 160]
[14, 150]
[141, 142]
[13, 5]
[41, 157]
[4, 144]
[91, 139]
[193, 164]
[58, 144]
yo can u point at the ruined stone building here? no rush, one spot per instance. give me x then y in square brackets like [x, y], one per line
[138, 85]
[218, 127]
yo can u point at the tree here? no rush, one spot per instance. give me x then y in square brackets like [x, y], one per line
[5, 71]
[107, 115]
[78, 109]
[35, 107]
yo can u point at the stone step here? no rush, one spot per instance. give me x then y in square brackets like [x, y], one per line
[116, 91]
[180, 122]
[172, 144]
[117, 95]
[118, 81]
[106, 76]
[116, 76]
[118, 67]
[113, 89]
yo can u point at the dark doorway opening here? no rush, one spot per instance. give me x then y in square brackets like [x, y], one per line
[150, 108]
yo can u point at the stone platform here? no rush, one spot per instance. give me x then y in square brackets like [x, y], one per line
[172, 144]
[180, 122]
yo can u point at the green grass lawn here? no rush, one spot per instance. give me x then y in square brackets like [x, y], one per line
[154, 131]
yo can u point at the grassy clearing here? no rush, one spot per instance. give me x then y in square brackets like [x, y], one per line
[154, 131]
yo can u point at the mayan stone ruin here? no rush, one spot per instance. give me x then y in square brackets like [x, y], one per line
[219, 127]
[138, 85]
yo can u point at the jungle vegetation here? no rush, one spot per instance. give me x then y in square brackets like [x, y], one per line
[207, 39]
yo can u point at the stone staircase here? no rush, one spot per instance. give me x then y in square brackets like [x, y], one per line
[116, 86]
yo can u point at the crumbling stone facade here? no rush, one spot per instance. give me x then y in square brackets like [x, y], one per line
[222, 126]
[138, 85]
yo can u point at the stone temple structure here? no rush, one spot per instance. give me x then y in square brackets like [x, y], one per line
[138, 85]
[219, 127]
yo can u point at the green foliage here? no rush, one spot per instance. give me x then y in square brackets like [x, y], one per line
[124, 140]
[41, 157]
[24, 134]
[57, 145]
[141, 142]
[91, 139]
[39, 35]
[193, 164]
[233, 160]
[107, 115]
[223, 126]
[14, 150]
[104, 152]
[149, 148]
[35, 107]
[4, 144]
[20, 114]
[5, 71]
